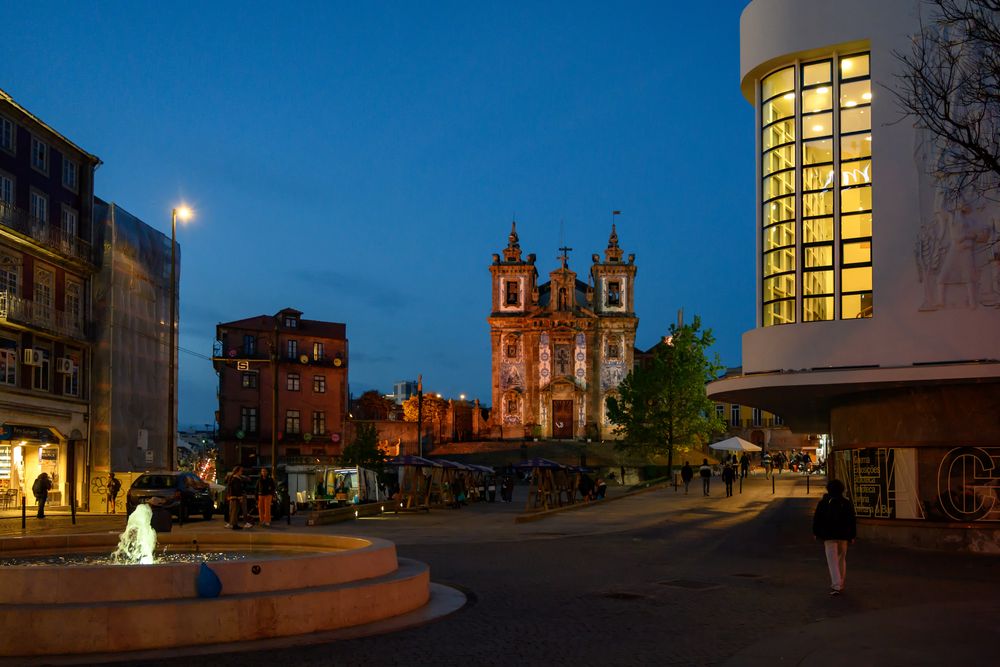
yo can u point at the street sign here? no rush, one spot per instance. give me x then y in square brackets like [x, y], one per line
[242, 365]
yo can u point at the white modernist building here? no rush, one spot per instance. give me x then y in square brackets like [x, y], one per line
[878, 289]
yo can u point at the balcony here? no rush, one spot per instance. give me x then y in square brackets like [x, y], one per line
[44, 233]
[26, 312]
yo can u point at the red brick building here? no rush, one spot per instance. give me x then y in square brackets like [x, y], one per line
[311, 361]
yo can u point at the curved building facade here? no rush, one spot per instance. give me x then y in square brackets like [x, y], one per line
[878, 287]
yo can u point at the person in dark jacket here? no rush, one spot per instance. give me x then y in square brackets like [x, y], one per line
[40, 489]
[687, 474]
[834, 525]
[729, 476]
[234, 493]
[265, 493]
[744, 465]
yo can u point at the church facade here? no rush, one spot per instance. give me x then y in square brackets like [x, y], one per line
[559, 348]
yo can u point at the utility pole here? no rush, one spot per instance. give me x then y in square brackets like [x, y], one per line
[420, 415]
[275, 357]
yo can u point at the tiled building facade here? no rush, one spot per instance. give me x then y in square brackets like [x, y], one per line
[559, 348]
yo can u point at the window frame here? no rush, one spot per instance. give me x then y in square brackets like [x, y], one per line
[5, 122]
[293, 422]
[74, 168]
[46, 155]
[319, 384]
[293, 382]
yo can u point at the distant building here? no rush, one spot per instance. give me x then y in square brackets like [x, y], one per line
[312, 361]
[47, 262]
[559, 348]
[403, 389]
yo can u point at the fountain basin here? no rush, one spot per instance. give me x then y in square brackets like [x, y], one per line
[288, 584]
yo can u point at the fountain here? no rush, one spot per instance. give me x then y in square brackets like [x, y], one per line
[273, 584]
[138, 541]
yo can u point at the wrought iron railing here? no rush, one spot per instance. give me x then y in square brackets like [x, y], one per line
[24, 311]
[45, 233]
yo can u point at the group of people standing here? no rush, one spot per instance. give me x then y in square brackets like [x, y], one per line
[237, 491]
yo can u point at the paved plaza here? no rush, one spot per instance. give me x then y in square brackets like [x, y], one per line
[656, 578]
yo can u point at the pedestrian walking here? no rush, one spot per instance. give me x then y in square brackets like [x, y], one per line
[114, 486]
[835, 526]
[728, 476]
[744, 465]
[40, 489]
[706, 476]
[265, 493]
[779, 460]
[687, 474]
[766, 462]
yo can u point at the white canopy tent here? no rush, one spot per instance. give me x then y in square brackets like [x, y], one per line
[734, 444]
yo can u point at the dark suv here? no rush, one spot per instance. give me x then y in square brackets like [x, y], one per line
[183, 493]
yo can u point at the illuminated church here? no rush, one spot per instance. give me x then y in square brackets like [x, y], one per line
[560, 348]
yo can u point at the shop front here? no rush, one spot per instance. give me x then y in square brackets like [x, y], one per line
[27, 451]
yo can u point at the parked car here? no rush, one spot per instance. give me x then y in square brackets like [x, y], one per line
[181, 492]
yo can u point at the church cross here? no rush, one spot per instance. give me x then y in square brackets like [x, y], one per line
[564, 257]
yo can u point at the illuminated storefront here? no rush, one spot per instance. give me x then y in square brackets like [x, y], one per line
[25, 453]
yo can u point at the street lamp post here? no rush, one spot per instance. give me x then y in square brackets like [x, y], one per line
[184, 213]
[420, 415]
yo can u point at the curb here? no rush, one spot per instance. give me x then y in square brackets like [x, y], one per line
[538, 516]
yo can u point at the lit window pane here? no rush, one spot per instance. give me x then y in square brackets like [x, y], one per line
[817, 99]
[817, 229]
[856, 199]
[855, 120]
[817, 309]
[781, 81]
[855, 94]
[856, 146]
[779, 210]
[817, 178]
[779, 185]
[816, 73]
[818, 256]
[857, 253]
[857, 279]
[856, 226]
[854, 306]
[779, 133]
[853, 66]
[779, 158]
[817, 203]
[779, 261]
[817, 282]
[779, 236]
[778, 108]
[779, 287]
[819, 125]
[779, 312]
[855, 173]
[815, 152]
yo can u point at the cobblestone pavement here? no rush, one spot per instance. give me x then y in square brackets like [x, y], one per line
[664, 578]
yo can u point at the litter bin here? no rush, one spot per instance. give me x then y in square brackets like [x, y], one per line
[162, 520]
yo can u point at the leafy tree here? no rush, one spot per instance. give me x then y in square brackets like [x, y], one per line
[364, 451]
[663, 405]
[950, 85]
[373, 405]
[434, 408]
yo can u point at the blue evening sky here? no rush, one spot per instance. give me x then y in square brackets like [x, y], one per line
[362, 161]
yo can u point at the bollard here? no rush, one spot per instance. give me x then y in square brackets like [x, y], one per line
[675, 482]
[807, 484]
[24, 512]
[72, 510]
[741, 484]
[772, 485]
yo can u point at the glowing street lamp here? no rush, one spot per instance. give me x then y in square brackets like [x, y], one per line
[184, 213]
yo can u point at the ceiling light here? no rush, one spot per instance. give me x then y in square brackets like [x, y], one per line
[789, 96]
[823, 91]
[866, 96]
[846, 65]
[850, 103]
[817, 128]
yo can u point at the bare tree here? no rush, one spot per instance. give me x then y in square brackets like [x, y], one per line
[950, 86]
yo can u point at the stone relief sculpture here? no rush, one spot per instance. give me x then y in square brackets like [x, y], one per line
[511, 376]
[957, 240]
